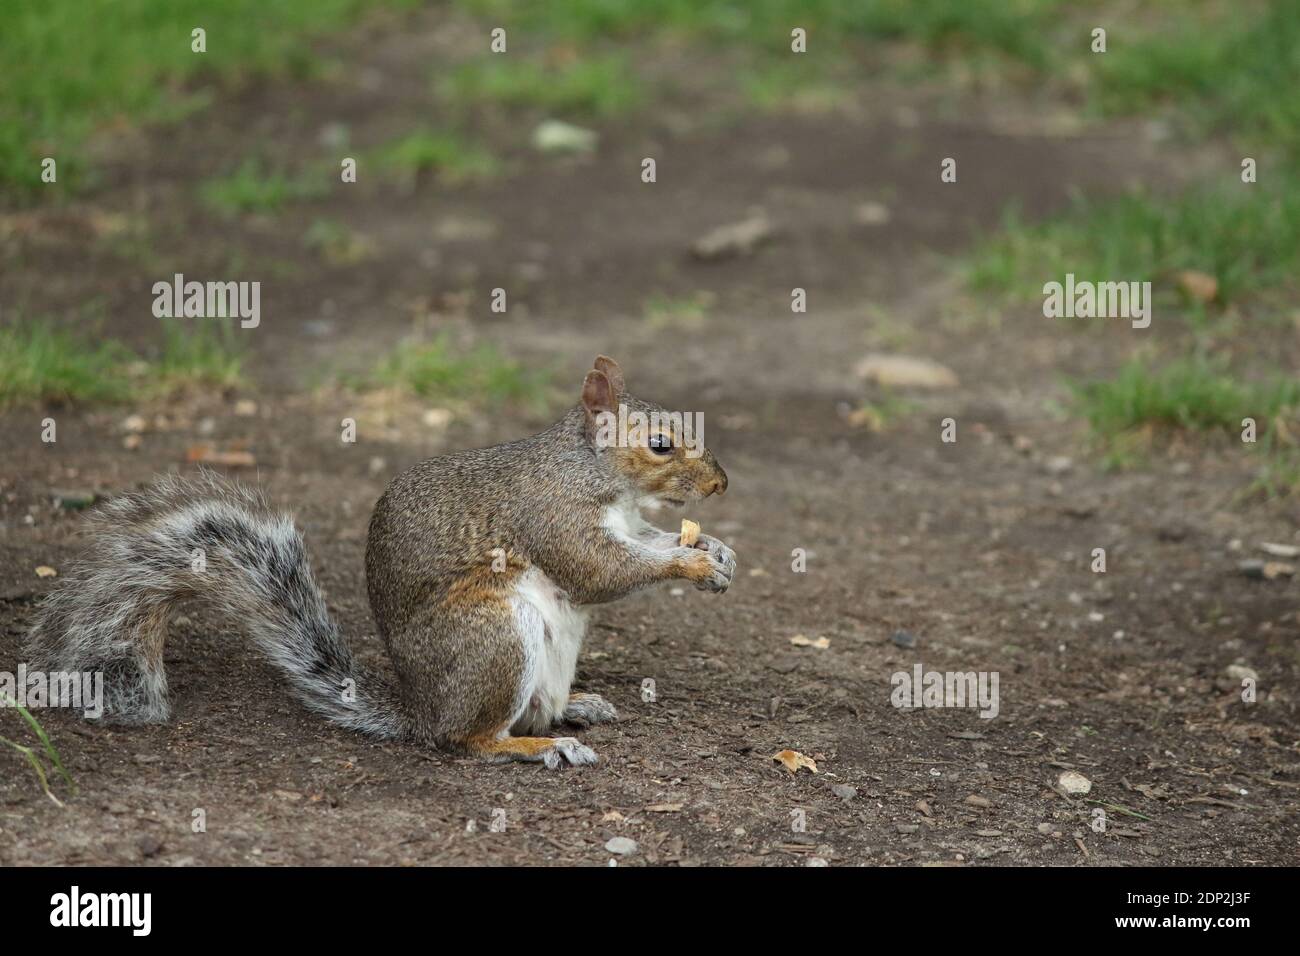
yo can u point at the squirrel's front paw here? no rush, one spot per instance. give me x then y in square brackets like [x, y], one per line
[721, 565]
[587, 709]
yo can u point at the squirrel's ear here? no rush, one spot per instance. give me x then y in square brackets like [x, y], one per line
[597, 393]
[612, 372]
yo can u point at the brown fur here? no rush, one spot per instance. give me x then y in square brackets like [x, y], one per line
[524, 747]
[445, 616]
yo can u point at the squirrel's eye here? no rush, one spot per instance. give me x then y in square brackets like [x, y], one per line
[661, 444]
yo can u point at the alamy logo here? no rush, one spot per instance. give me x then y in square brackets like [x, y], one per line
[179, 299]
[634, 428]
[103, 909]
[1098, 300]
[923, 688]
[83, 690]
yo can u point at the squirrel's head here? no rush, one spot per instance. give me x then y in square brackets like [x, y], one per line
[658, 453]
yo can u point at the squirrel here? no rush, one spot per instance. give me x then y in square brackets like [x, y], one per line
[481, 566]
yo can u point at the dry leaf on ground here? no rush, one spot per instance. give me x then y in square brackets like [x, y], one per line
[793, 760]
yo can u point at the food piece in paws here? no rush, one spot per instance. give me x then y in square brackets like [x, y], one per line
[690, 533]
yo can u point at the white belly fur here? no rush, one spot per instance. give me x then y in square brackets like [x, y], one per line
[551, 630]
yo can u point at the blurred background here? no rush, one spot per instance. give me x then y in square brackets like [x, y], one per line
[521, 171]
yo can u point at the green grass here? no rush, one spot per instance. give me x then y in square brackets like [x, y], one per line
[1229, 67]
[72, 67]
[974, 33]
[254, 188]
[808, 84]
[688, 312]
[452, 157]
[1015, 28]
[1196, 395]
[843, 36]
[437, 370]
[599, 86]
[1280, 472]
[71, 71]
[40, 365]
[1246, 237]
[30, 754]
[205, 354]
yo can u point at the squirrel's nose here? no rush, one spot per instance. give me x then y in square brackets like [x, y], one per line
[719, 484]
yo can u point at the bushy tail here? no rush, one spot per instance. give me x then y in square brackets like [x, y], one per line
[206, 538]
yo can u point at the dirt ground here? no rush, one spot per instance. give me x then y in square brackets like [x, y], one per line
[979, 549]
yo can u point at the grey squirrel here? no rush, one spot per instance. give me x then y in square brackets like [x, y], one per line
[480, 567]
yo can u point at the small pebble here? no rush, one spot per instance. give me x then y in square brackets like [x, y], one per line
[621, 845]
[903, 639]
[1073, 783]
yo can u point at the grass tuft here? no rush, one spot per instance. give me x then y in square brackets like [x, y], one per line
[253, 188]
[439, 371]
[1197, 395]
[1245, 238]
[688, 312]
[40, 365]
[30, 754]
[453, 158]
[602, 86]
[203, 355]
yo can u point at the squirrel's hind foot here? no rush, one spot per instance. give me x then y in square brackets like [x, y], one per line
[570, 751]
[554, 752]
